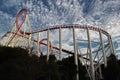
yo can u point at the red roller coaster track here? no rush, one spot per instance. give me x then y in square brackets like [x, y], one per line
[50, 28]
[53, 27]
[26, 35]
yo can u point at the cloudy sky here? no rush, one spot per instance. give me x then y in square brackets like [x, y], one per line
[101, 13]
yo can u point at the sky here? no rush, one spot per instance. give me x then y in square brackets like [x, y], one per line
[99, 13]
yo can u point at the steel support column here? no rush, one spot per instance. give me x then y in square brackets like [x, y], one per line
[103, 50]
[38, 44]
[29, 43]
[48, 44]
[75, 53]
[90, 56]
[60, 44]
[111, 45]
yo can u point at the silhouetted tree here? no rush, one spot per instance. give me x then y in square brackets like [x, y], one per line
[113, 70]
[68, 71]
[17, 64]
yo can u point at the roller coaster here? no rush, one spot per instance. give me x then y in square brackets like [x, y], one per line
[91, 50]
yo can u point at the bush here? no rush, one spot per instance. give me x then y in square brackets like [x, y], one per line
[112, 71]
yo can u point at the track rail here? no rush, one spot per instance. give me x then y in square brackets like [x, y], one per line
[53, 27]
[76, 26]
[54, 47]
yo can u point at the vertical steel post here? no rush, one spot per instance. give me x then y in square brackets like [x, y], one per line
[48, 44]
[99, 67]
[100, 73]
[38, 44]
[103, 49]
[29, 43]
[24, 30]
[90, 55]
[13, 43]
[75, 53]
[110, 44]
[60, 44]
[30, 35]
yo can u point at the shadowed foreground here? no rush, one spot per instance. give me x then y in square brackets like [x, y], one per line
[17, 64]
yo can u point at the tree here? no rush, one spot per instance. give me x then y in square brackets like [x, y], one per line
[17, 64]
[68, 71]
[113, 70]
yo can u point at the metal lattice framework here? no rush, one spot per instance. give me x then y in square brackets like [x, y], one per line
[22, 35]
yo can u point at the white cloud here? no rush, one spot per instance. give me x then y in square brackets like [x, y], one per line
[6, 23]
[11, 3]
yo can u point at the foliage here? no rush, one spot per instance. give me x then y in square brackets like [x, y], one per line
[112, 71]
[17, 64]
[13, 63]
[68, 69]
